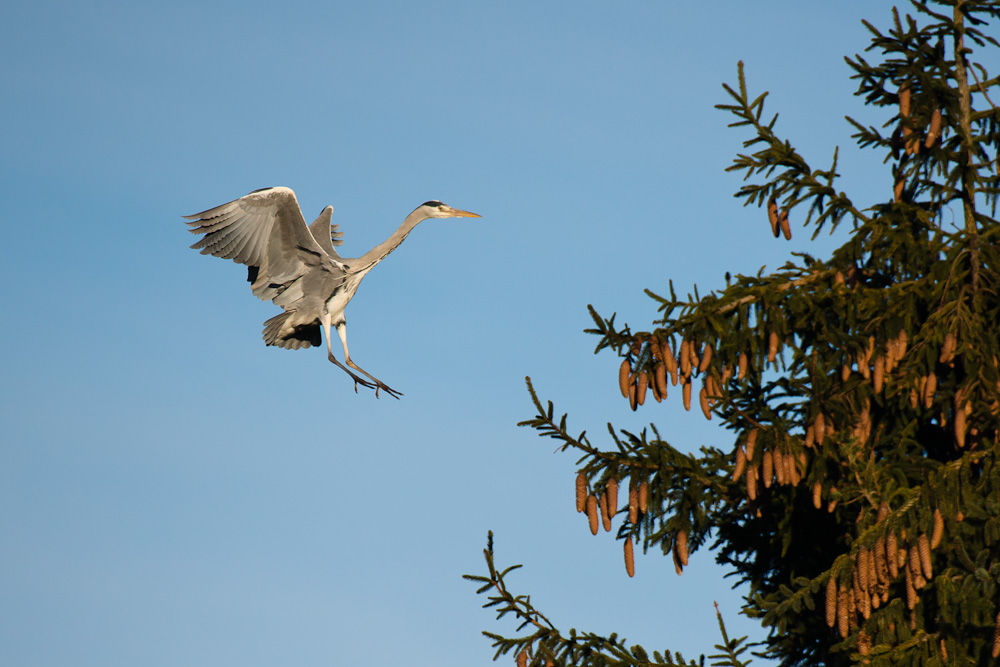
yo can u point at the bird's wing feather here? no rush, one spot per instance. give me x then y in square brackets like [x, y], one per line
[265, 229]
[326, 235]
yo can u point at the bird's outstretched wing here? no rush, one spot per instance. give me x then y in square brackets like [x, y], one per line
[327, 235]
[266, 231]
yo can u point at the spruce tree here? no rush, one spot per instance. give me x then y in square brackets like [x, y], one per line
[858, 495]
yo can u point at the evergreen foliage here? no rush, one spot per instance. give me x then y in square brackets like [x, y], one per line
[859, 497]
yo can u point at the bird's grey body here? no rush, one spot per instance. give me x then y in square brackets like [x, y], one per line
[297, 266]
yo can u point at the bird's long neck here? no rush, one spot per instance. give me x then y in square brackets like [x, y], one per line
[364, 263]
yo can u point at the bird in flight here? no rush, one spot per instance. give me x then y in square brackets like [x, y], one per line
[297, 267]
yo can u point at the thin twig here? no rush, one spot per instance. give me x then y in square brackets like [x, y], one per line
[781, 288]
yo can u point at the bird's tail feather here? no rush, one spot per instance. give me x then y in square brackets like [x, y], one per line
[277, 331]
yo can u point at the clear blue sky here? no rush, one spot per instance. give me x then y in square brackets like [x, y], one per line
[173, 492]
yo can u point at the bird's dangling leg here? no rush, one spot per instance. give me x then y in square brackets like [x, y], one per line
[357, 380]
[342, 332]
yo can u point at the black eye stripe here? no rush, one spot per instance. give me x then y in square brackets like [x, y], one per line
[435, 203]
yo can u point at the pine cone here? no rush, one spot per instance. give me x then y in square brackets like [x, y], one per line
[611, 488]
[629, 560]
[643, 496]
[831, 601]
[930, 389]
[682, 547]
[904, 100]
[686, 393]
[877, 374]
[743, 365]
[772, 347]
[703, 400]
[605, 513]
[778, 464]
[592, 513]
[786, 229]
[581, 492]
[671, 362]
[788, 467]
[768, 465]
[772, 216]
[713, 389]
[914, 565]
[685, 358]
[891, 555]
[693, 354]
[938, 530]
[661, 380]
[864, 604]
[643, 385]
[741, 463]
[706, 358]
[843, 625]
[948, 348]
[959, 423]
[817, 495]
[624, 373]
[791, 470]
[881, 564]
[924, 549]
[911, 592]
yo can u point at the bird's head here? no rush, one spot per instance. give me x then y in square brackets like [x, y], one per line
[436, 209]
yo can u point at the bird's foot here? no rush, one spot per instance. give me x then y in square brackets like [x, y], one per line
[360, 380]
[387, 389]
[371, 383]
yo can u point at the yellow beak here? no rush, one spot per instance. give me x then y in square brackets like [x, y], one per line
[459, 213]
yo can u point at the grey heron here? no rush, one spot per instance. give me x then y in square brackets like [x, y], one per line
[296, 266]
